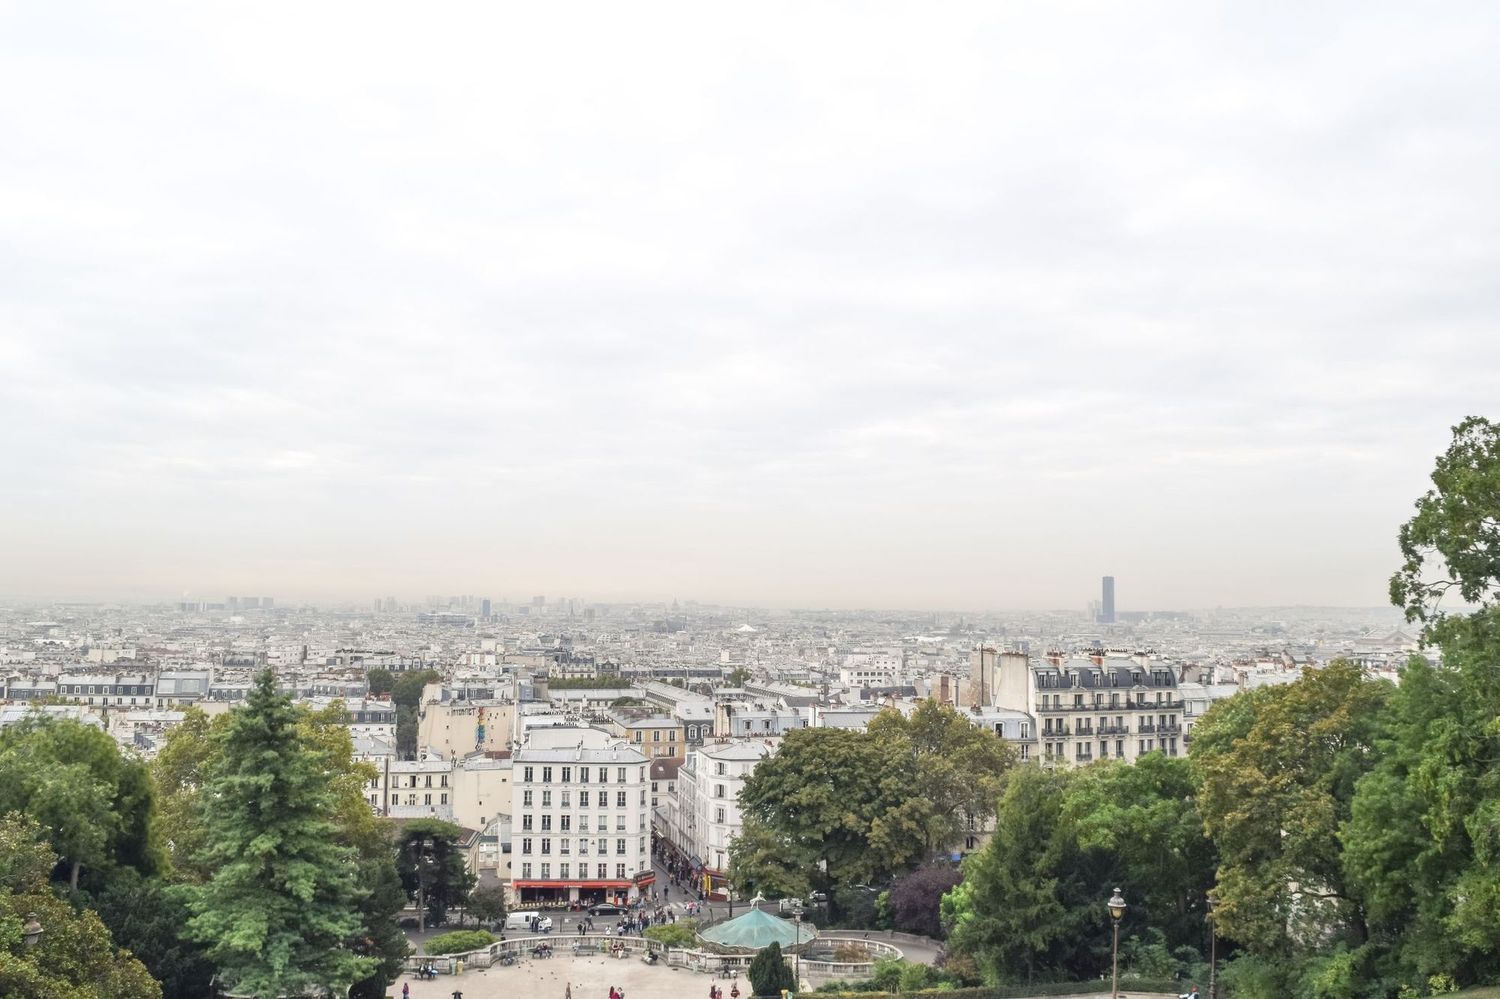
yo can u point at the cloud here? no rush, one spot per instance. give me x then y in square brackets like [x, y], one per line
[833, 305]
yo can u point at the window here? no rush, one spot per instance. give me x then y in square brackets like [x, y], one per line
[718, 790]
[619, 823]
[619, 846]
[566, 799]
[604, 870]
[546, 775]
[546, 845]
[564, 846]
[546, 823]
[526, 775]
[719, 815]
[620, 871]
[567, 778]
[619, 799]
[567, 821]
[525, 870]
[637, 734]
[653, 787]
[429, 781]
[583, 823]
[546, 871]
[564, 870]
[671, 735]
[719, 767]
[547, 799]
[583, 799]
[619, 775]
[583, 850]
[526, 798]
[604, 775]
[583, 775]
[603, 846]
[526, 845]
[526, 823]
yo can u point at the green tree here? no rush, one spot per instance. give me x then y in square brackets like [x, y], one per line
[406, 693]
[770, 973]
[75, 957]
[280, 914]
[380, 682]
[179, 772]
[1423, 839]
[960, 767]
[737, 677]
[432, 867]
[838, 807]
[487, 904]
[148, 916]
[1453, 542]
[1144, 817]
[1277, 768]
[1018, 913]
[95, 803]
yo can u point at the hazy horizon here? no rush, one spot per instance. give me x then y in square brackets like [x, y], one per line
[853, 305]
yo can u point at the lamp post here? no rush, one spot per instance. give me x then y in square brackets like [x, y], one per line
[797, 951]
[1116, 911]
[31, 933]
[1213, 947]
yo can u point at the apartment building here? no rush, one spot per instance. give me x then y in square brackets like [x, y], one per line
[1101, 706]
[707, 815]
[108, 689]
[580, 818]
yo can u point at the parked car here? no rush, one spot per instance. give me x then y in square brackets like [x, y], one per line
[606, 909]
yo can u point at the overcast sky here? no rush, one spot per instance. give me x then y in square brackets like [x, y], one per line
[907, 305]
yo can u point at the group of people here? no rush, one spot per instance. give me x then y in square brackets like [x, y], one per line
[714, 992]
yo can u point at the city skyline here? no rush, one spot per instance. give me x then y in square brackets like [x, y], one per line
[931, 309]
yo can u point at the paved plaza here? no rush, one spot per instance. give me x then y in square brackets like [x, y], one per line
[590, 977]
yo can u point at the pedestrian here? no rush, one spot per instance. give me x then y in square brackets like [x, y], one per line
[405, 990]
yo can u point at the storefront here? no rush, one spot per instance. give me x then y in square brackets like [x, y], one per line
[571, 893]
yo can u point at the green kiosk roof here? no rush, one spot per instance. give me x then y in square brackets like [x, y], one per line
[755, 930]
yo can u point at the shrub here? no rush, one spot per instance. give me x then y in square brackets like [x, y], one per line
[458, 942]
[682, 933]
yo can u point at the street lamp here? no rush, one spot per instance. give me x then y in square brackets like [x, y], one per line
[1213, 946]
[1116, 911]
[32, 932]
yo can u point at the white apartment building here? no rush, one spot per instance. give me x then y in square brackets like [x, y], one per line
[1100, 706]
[411, 789]
[707, 815]
[580, 818]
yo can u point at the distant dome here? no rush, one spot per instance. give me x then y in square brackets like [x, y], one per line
[744, 628]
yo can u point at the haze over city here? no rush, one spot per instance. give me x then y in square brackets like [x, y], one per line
[925, 307]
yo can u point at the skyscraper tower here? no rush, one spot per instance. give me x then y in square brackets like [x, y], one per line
[1107, 608]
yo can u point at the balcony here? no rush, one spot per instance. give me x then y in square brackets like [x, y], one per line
[1056, 733]
[1114, 729]
[1146, 729]
[1172, 729]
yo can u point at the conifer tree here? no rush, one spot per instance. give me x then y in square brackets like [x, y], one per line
[280, 912]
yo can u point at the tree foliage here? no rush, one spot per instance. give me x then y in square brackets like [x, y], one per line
[279, 914]
[431, 866]
[916, 900]
[832, 807]
[95, 804]
[1453, 542]
[770, 973]
[1277, 768]
[960, 767]
[379, 682]
[75, 957]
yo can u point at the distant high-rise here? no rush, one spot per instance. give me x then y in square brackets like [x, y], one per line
[1107, 607]
[267, 603]
[484, 608]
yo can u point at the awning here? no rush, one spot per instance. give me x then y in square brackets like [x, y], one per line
[571, 884]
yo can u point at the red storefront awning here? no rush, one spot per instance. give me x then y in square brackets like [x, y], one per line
[646, 879]
[571, 884]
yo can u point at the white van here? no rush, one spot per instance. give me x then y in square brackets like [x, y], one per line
[521, 921]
